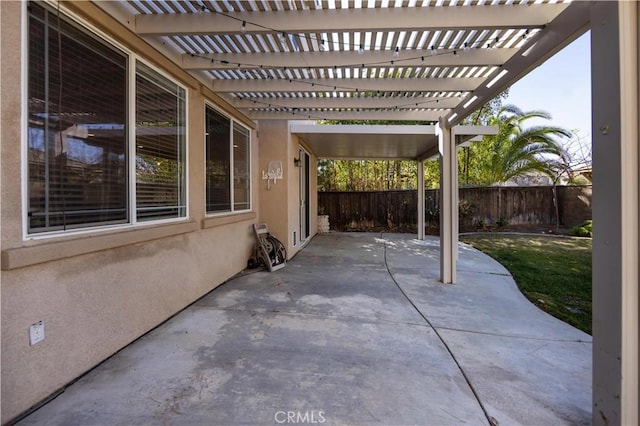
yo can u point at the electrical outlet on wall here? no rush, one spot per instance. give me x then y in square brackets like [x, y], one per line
[36, 333]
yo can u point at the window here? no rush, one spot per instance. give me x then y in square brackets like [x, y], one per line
[218, 135]
[160, 146]
[228, 188]
[241, 167]
[77, 115]
[79, 152]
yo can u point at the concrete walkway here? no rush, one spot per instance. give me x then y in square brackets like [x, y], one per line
[355, 330]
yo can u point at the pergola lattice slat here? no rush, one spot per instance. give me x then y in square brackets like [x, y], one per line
[341, 20]
[408, 58]
[342, 84]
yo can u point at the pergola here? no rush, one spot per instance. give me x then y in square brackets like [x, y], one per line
[356, 60]
[408, 142]
[433, 61]
[429, 61]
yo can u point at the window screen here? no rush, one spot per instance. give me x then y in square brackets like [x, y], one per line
[241, 168]
[160, 146]
[218, 183]
[77, 111]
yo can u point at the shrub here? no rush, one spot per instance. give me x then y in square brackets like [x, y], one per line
[585, 229]
[502, 222]
[480, 224]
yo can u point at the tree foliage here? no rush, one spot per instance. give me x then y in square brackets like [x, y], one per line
[366, 175]
[372, 175]
[517, 150]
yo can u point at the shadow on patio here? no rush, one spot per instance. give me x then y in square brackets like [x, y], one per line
[355, 330]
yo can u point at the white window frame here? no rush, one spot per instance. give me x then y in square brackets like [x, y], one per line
[133, 146]
[232, 122]
[132, 57]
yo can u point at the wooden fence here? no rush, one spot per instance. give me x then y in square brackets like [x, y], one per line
[479, 207]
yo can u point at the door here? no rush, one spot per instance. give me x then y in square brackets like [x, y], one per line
[304, 194]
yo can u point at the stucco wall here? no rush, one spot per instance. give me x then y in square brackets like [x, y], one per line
[93, 305]
[280, 205]
[96, 292]
[274, 137]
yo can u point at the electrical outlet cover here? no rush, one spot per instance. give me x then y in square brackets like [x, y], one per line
[36, 333]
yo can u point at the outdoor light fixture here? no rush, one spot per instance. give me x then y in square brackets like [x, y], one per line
[296, 162]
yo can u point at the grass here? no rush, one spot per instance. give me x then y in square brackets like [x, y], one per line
[552, 272]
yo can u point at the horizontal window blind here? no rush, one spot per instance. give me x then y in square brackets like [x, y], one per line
[218, 154]
[241, 168]
[160, 146]
[77, 114]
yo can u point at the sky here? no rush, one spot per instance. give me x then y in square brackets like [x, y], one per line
[562, 87]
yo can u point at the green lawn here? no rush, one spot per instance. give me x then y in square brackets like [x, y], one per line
[553, 272]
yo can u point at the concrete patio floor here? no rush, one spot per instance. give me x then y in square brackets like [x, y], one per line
[355, 329]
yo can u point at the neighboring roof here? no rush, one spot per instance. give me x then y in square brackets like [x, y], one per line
[355, 59]
[378, 141]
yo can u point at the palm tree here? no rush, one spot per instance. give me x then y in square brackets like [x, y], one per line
[518, 150]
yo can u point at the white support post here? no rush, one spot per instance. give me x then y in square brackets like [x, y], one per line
[448, 202]
[615, 53]
[421, 223]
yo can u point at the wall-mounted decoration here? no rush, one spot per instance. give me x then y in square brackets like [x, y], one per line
[273, 173]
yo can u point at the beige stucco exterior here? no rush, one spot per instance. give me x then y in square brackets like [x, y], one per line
[280, 202]
[273, 199]
[98, 291]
